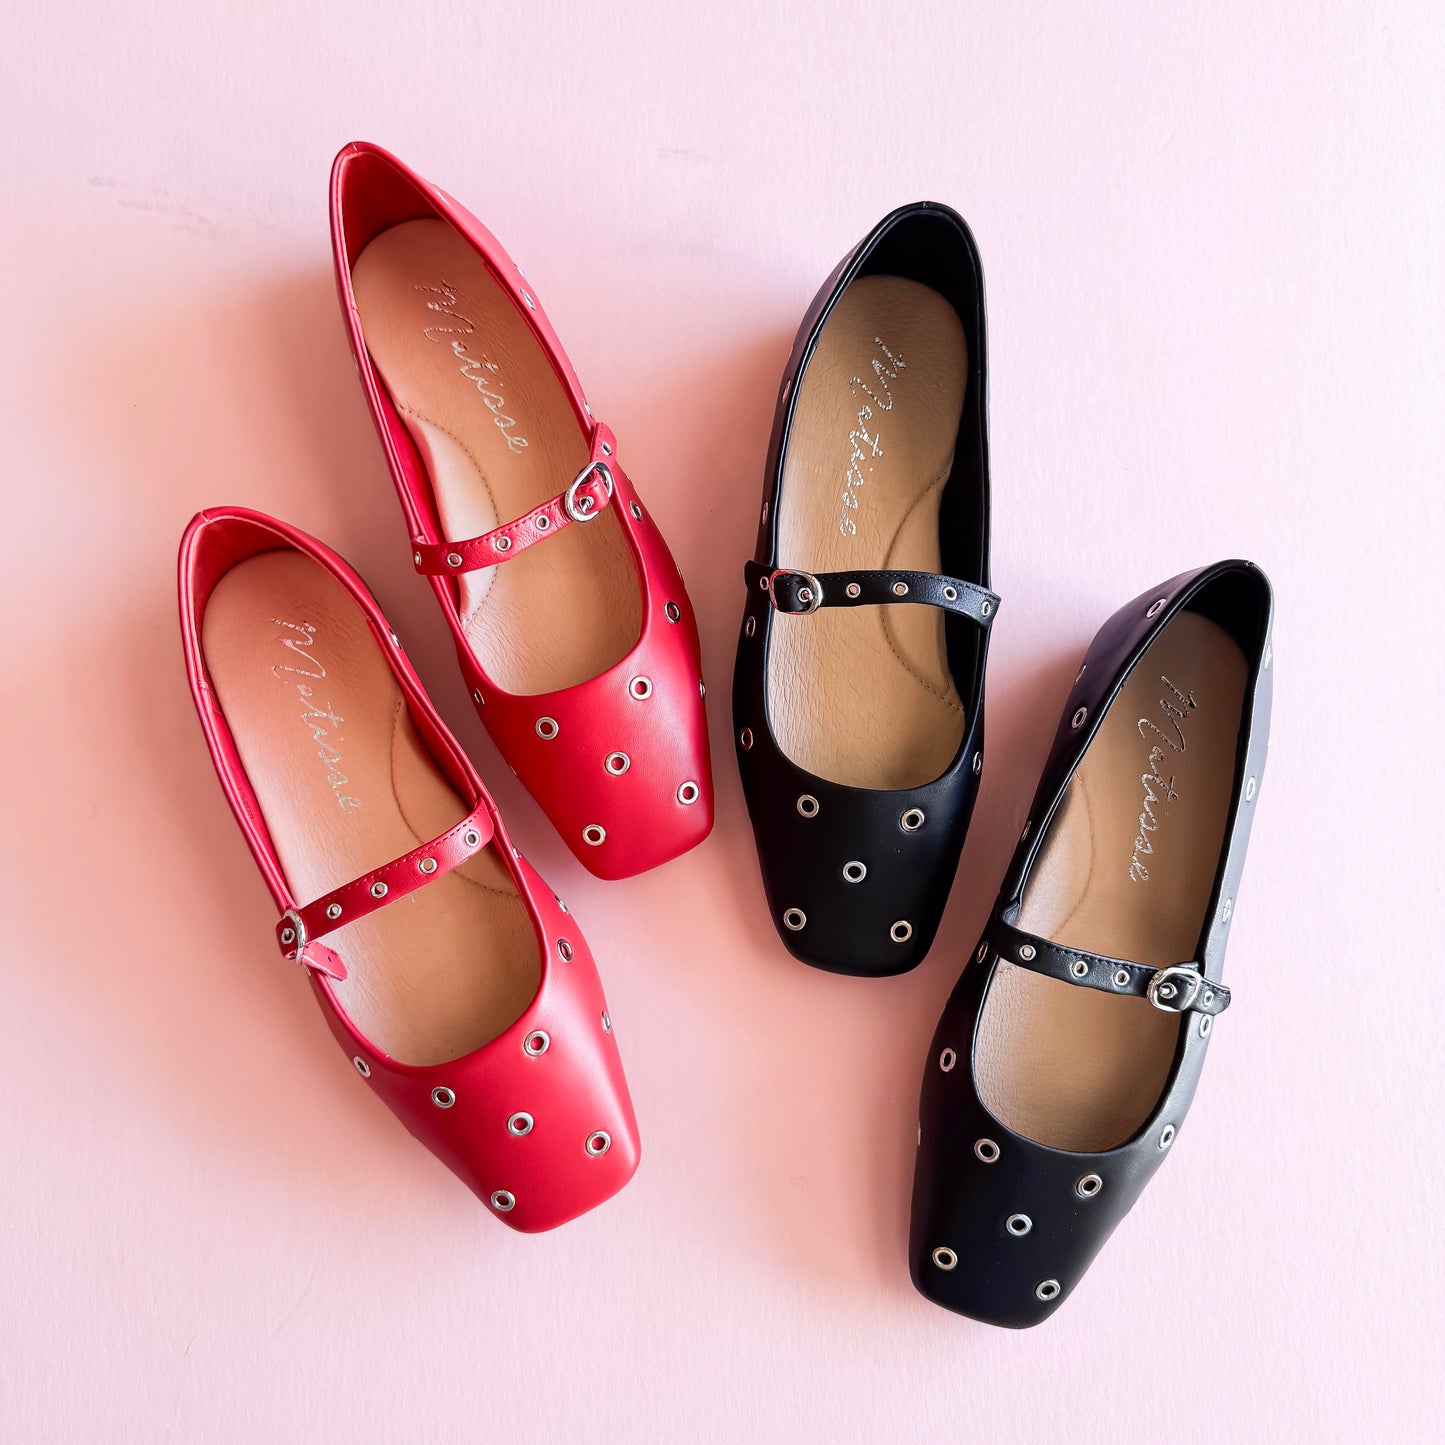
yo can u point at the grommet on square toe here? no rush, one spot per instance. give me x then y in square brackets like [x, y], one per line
[1079, 1028]
[858, 688]
[458, 987]
[569, 616]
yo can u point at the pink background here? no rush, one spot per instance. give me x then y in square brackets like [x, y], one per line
[1213, 245]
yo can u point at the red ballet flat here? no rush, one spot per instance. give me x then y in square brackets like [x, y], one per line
[454, 980]
[569, 616]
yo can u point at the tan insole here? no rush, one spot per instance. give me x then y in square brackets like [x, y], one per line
[345, 785]
[1073, 1067]
[499, 437]
[864, 696]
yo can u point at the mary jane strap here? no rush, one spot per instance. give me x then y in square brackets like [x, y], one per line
[298, 929]
[591, 490]
[796, 592]
[1176, 988]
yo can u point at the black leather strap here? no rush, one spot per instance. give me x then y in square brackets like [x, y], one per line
[1177, 988]
[796, 592]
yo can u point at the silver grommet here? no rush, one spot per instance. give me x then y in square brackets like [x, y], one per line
[606, 1022]
[503, 1200]
[598, 1142]
[982, 953]
[288, 935]
[527, 298]
[564, 950]
[378, 890]
[1206, 1022]
[1268, 657]
[1249, 791]
[1088, 1186]
[443, 1097]
[987, 1151]
[1156, 607]
[674, 612]
[945, 1258]
[750, 626]
[1167, 1137]
[520, 1124]
[1018, 1225]
[1049, 1289]
[1026, 952]
[606, 449]
[543, 522]
[950, 594]
[1079, 968]
[901, 931]
[1078, 719]
[854, 871]
[912, 820]
[594, 835]
[617, 764]
[977, 763]
[853, 589]
[985, 608]
[1121, 978]
[808, 806]
[428, 865]
[745, 739]
[478, 698]
[794, 919]
[765, 512]
[946, 1060]
[701, 688]
[454, 559]
[362, 1067]
[1226, 910]
[688, 793]
[1027, 828]
[900, 589]
[636, 511]
[333, 911]
[640, 688]
[503, 544]
[547, 728]
[1208, 997]
[1079, 675]
[536, 1043]
[471, 837]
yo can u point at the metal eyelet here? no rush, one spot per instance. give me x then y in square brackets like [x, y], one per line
[1167, 1137]
[598, 1142]
[1088, 1186]
[912, 820]
[1079, 676]
[987, 1151]
[1208, 997]
[471, 837]
[520, 1124]
[985, 608]
[478, 698]
[454, 559]
[945, 1258]
[1049, 1289]
[640, 688]
[1249, 791]
[1121, 978]
[1018, 1225]
[443, 1097]
[536, 1043]
[900, 589]
[362, 1067]
[606, 1022]
[527, 299]
[901, 931]
[1156, 607]
[547, 728]
[1028, 828]
[702, 689]
[333, 911]
[950, 594]
[378, 890]
[503, 544]
[617, 764]
[745, 739]
[1206, 1022]
[688, 793]
[1079, 968]
[543, 522]
[854, 871]
[853, 590]
[1268, 657]
[674, 612]
[808, 806]
[794, 919]
[1226, 911]
[982, 952]
[416, 559]
[427, 865]
[606, 449]
[1026, 952]
[946, 1060]
[750, 627]
[503, 1201]
[564, 950]
[594, 835]
[977, 764]
[636, 512]
[1078, 719]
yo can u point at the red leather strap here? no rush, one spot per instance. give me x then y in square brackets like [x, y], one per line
[589, 493]
[299, 928]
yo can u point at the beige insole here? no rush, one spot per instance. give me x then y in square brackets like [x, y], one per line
[499, 437]
[345, 785]
[864, 696]
[1073, 1067]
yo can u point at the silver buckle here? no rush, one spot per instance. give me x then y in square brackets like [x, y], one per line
[293, 950]
[810, 593]
[1164, 988]
[573, 502]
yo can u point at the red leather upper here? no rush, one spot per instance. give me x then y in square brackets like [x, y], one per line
[558, 1062]
[649, 707]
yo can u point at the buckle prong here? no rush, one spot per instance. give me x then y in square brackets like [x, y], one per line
[1167, 984]
[574, 503]
[810, 590]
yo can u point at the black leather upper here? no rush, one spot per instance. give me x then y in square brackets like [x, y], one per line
[973, 1173]
[809, 829]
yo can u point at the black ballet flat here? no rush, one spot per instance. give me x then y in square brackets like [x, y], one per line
[858, 690]
[1068, 1055]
